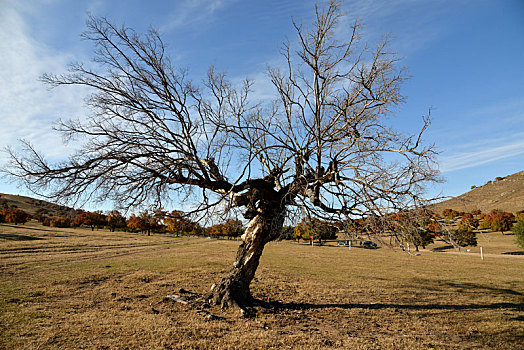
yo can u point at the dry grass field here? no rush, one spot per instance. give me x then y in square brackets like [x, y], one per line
[77, 289]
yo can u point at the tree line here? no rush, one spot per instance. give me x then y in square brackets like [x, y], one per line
[174, 222]
[416, 228]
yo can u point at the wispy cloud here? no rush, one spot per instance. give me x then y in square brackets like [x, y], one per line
[193, 12]
[484, 153]
[27, 107]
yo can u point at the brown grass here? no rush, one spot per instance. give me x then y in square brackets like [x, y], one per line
[73, 288]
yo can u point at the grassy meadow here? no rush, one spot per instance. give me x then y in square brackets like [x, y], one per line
[78, 289]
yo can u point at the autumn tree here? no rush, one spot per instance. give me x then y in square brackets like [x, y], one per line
[326, 146]
[476, 213]
[415, 227]
[316, 229]
[60, 221]
[135, 223]
[92, 219]
[233, 228]
[115, 220]
[498, 220]
[468, 222]
[15, 216]
[450, 214]
[461, 237]
[179, 223]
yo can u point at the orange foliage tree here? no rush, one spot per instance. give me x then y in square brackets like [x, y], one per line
[499, 220]
[91, 219]
[15, 216]
[177, 222]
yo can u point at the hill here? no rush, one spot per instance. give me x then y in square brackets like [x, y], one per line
[32, 206]
[504, 193]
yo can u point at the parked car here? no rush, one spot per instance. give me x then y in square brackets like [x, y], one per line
[369, 245]
[344, 243]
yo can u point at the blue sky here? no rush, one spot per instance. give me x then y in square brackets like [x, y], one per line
[465, 57]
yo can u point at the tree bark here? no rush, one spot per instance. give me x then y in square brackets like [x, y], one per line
[233, 290]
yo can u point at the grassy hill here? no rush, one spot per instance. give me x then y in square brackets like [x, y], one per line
[504, 193]
[32, 206]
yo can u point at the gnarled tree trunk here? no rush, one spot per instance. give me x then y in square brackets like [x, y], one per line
[233, 290]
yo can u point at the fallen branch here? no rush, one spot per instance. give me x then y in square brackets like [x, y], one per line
[177, 299]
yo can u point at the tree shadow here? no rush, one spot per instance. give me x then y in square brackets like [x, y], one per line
[29, 228]
[513, 253]
[375, 306]
[465, 286]
[14, 237]
[442, 249]
[440, 286]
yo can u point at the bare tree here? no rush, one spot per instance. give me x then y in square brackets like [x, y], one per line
[324, 146]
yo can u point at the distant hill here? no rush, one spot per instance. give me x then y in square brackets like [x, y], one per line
[33, 206]
[504, 193]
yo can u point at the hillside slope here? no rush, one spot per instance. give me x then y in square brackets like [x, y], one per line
[504, 193]
[32, 205]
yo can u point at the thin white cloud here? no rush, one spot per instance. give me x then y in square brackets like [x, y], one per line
[483, 155]
[27, 107]
[193, 12]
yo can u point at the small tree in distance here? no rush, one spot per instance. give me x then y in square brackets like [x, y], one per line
[518, 230]
[326, 146]
[178, 223]
[115, 220]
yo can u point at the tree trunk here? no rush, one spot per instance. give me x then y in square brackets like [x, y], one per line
[233, 290]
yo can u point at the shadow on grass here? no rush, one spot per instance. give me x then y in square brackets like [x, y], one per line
[464, 287]
[30, 228]
[442, 249]
[375, 306]
[513, 253]
[14, 237]
[442, 286]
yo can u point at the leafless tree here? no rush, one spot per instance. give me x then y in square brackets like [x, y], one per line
[324, 145]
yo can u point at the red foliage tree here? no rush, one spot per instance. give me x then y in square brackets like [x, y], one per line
[91, 219]
[499, 220]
